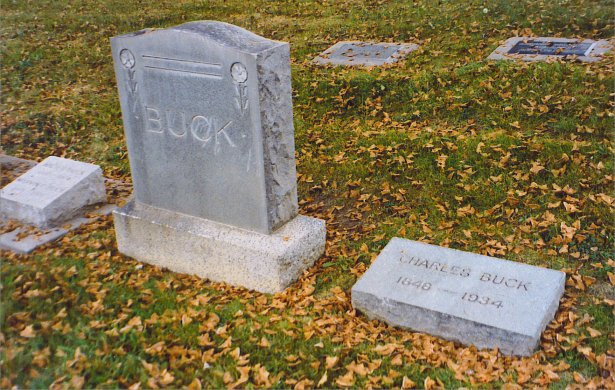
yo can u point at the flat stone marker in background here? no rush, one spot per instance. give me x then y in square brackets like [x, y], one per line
[208, 120]
[545, 48]
[52, 192]
[460, 296]
[354, 53]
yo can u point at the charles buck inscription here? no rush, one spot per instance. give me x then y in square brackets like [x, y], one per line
[460, 296]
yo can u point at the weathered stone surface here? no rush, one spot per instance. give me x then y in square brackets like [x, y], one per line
[208, 121]
[460, 296]
[52, 192]
[550, 48]
[191, 245]
[355, 53]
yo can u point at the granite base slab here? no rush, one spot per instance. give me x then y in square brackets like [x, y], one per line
[218, 252]
[460, 296]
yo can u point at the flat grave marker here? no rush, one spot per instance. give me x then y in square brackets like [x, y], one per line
[23, 238]
[356, 53]
[52, 192]
[546, 48]
[207, 111]
[460, 296]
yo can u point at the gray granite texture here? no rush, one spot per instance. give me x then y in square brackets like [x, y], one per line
[208, 122]
[182, 243]
[551, 48]
[52, 192]
[356, 53]
[460, 296]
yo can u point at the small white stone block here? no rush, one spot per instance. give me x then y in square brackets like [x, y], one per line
[52, 192]
[460, 296]
[222, 253]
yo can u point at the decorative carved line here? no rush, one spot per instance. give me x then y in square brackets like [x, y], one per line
[241, 97]
[182, 60]
[211, 75]
[132, 89]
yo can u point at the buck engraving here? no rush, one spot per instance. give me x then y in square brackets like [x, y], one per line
[203, 129]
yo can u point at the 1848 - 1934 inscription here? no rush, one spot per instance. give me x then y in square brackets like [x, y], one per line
[459, 295]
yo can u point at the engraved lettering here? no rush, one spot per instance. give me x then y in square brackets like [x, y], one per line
[176, 127]
[154, 124]
[481, 300]
[435, 266]
[513, 281]
[419, 284]
[228, 139]
[510, 283]
[496, 281]
[201, 128]
[524, 285]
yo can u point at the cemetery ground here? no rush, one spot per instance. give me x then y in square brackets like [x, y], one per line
[508, 159]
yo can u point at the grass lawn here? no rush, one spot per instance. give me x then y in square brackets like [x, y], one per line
[507, 159]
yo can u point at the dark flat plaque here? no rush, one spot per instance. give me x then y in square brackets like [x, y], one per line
[551, 48]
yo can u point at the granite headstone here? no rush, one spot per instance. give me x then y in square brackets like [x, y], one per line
[208, 121]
